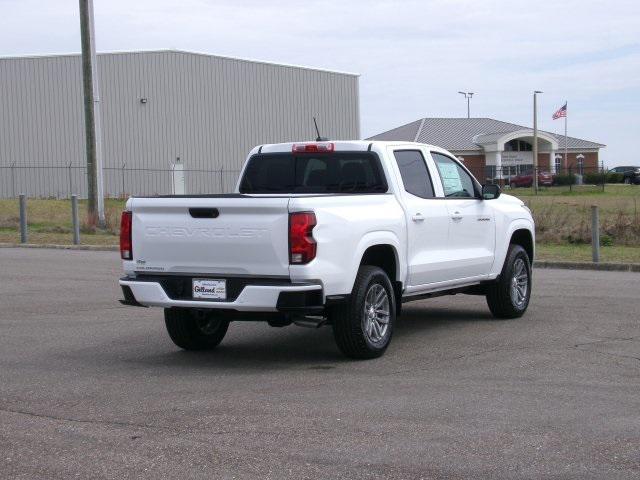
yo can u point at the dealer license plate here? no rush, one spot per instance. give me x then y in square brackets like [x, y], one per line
[208, 288]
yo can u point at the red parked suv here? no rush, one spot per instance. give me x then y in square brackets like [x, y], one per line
[525, 179]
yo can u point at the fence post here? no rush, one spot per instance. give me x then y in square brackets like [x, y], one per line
[595, 234]
[75, 220]
[70, 181]
[23, 218]
[123, 167]
[570, 178]
[13, 179]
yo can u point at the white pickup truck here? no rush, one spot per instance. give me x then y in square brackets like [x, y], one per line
[337, 233]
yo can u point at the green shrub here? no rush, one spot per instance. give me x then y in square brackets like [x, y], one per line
[595, 178]
[592, 178]
[606, 240]
[565, 179]
[613, 177]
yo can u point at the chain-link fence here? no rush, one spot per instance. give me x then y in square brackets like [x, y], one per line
[63, 181]
[569, 178]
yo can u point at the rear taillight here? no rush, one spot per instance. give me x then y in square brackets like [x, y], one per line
[126, 247]
[302, 246]
[323, 147]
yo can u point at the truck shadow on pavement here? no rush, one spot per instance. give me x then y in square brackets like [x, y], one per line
[258, 347]
[415, 320]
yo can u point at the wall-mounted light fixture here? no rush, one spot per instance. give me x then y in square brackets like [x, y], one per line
[143, 100]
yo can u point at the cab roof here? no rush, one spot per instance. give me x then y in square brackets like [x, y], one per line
[338, 145]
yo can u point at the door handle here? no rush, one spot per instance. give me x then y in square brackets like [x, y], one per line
[456, 216]
[418, 217]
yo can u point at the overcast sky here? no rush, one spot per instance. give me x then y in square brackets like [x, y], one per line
[413, 56]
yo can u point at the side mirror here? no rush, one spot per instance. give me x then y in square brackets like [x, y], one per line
[490, 192]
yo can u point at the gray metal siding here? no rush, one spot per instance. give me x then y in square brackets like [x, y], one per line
[209, 111]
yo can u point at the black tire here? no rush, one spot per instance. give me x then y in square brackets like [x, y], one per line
[499, 294]
[350, 322]
[194, 329]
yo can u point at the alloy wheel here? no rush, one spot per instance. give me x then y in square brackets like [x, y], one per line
[519, 283]
[376, 313]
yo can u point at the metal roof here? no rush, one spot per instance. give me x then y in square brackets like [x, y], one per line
[185, 52]
[458, 134]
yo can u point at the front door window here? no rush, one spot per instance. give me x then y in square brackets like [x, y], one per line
[456, 182]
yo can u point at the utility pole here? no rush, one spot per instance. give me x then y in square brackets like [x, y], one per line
[93, 134]
[566, 155]
[468, 96]
[535, 140]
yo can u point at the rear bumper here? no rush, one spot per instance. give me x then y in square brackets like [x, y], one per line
[302, 298]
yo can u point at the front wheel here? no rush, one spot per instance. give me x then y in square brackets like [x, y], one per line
[363, 326]
[509, 296]
[195, 329]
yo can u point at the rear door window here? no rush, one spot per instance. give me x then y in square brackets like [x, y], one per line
[415, 175]
[340, 172]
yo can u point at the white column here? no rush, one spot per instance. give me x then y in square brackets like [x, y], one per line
[552, 163]
[494, 159]
[499, 165]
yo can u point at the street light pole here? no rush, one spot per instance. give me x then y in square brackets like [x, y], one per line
[468, 96]
[535, 140]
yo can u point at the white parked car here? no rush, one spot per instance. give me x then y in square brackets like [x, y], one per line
[339, 233]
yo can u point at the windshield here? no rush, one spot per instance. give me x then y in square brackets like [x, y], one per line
[340, 172]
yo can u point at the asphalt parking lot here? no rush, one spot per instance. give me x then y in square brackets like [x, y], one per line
[91, 389]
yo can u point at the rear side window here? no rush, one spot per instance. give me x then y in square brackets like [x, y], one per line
[415, 175]
[340, 172]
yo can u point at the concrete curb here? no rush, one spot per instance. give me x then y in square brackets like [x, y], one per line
[95, 248]
[611, 267]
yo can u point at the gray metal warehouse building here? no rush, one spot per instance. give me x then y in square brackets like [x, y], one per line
[158, 106]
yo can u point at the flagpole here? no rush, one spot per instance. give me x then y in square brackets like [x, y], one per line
[566, 114]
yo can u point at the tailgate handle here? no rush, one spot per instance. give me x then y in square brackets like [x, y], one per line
[204, 212]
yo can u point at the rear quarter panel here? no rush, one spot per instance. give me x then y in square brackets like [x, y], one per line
[346, 226]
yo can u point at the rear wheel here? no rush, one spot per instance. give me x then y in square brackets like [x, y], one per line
[195, 329]
[363, 326]
[509, 296]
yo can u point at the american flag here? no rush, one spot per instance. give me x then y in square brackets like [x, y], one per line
[562, 112]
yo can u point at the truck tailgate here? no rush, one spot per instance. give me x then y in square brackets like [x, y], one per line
[232, 235]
